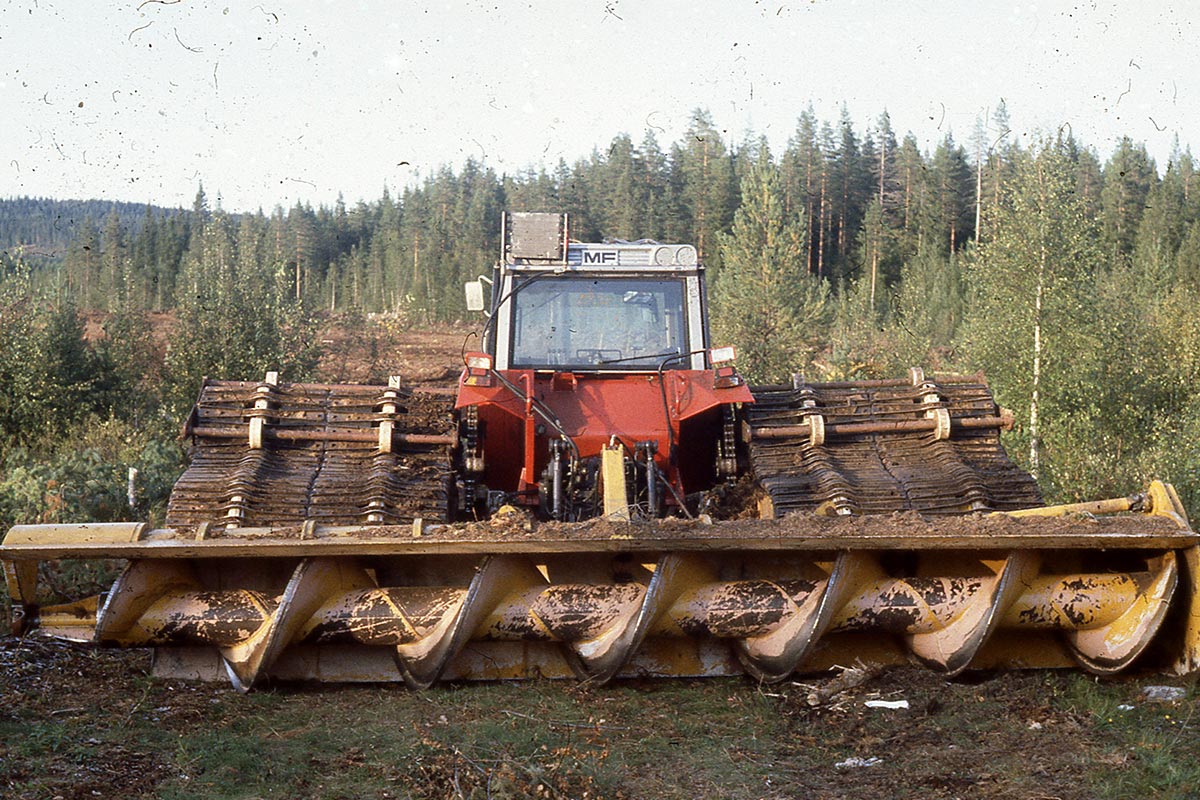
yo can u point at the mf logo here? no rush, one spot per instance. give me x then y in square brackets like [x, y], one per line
[600, 257]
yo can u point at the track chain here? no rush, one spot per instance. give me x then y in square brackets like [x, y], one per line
[320, 457]
[877, 471]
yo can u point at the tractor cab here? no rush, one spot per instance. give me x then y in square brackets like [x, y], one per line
[558, 305]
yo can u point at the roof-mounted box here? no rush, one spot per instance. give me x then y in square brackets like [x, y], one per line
[535, 237]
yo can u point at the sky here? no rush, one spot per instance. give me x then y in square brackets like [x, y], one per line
[274, 103]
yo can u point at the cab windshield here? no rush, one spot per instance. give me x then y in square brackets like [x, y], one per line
[597, 323]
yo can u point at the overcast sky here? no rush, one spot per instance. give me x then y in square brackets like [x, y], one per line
[276, 102]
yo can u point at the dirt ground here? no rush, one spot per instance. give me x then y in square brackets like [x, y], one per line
[370, 352]
[357, 350]
[84, 723]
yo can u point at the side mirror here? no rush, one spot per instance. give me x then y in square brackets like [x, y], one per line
[475, 300]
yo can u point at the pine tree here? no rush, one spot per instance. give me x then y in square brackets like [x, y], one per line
[1161, 229]
[928, 306]
[709, 192]
[952, 186]
[82, 265]
[875, 250]
[764, 302]
[883, 168]
[852, 185]
[799, 174]
[1089, 181]
[1187, 259]
[913, 195]
[653, 193]
[19, 355]
[617, 190]
[229, 327]
[114, 288]
[1128, 176]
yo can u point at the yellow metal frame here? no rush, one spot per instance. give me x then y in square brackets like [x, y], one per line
[990, 585]
[612, 472]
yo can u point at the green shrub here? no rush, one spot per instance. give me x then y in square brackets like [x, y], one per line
[87, 478]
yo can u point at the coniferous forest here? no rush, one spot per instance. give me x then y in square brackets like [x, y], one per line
[1069, 277]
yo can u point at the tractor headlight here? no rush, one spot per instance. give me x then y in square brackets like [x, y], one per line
[725, 375]
[479, 361]
[479, 370]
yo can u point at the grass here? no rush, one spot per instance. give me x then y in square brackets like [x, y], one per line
[1146, 749]
[486, 741]
[80, 721]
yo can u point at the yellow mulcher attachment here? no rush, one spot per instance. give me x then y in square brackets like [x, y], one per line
[306, 542]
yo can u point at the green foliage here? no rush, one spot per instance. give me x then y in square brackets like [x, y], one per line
[708, 188]
[1031, 319]
[891, 226]
[1147, 390]
[1187, 258]
[859, 340]
[949, 217]
[74, 417]
[236, 320]
[880, 262]
[86, 478]
[130, 367]
[764, 303]
[75, 486]
[18, 350]
[868, 339]
[417, 249]
[927, 308]
[52, 378]
[1100, 362]
[1128, 176]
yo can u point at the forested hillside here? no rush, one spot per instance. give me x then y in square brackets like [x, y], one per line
[42, 228]
[1070, 277]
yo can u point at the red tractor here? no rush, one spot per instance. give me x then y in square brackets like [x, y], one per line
[597, 391]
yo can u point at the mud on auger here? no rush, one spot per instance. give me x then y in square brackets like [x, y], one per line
[1092, 585]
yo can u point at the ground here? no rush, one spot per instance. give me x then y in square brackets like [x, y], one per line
[364, 349]
[371, 350]
[82, 723]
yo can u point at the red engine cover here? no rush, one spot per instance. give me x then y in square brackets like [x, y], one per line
[592, 409]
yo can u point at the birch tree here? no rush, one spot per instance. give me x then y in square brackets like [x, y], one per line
[1031, 307]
